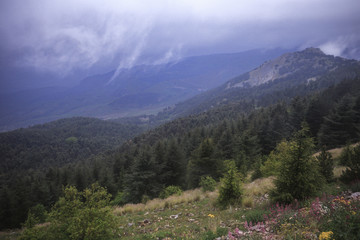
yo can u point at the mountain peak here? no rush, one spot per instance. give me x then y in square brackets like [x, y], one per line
[311, 61]
[313, 51]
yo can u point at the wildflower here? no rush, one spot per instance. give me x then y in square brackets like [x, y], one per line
[353, 212]
[210, 215]
[326, 235]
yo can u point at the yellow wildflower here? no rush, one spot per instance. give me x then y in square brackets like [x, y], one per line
[210, 215]
[326, 235]
[353, 212]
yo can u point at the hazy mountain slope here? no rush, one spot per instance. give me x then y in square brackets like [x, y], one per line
[299, 72]
[129, 92]
[60, 142]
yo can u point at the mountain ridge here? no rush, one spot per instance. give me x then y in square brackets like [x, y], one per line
[164, 85]
[309, 68]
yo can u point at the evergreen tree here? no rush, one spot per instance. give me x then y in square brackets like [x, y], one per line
[203, 163]
[174, 169]
[230, 192]
[350, 157]
[297, 113]
[225, 145]
[315, 113]
[141, 176]
[339, 127]
[326, 164]
[299, 176]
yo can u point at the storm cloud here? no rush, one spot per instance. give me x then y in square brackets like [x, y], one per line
[63, 36]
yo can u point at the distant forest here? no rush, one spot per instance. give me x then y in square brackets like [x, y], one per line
[36, 163]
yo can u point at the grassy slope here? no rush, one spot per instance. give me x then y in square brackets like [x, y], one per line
[187, 216]
[193, 214]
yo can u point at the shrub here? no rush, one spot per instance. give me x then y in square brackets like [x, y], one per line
[248, 202]
[78, 215]
[36, 215]
[170, 190]
[343, 219]
[119, 200]
[256, 215]
[207, 184]
[209, 235]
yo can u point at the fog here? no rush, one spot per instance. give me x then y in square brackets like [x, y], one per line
[62, 37]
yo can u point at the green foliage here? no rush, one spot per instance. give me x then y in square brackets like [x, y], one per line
[38, 161]
[31, 220]
[57, 142]
[339, 125]
[343, 219]
[119, 200]
[207, 184]
[142, 175]
[209, 235]
[256, 215]
[203, 163]
[257, 170]
[72, 140]
[326, 164]
[230, 192]
[79, 215]
[170, 190]
[273, 163]
[36, 214]
[299, 176]
[173, 170]
[350, 157]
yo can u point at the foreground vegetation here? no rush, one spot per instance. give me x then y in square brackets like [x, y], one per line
[333, 212]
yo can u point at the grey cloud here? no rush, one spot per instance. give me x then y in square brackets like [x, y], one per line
[62, 36]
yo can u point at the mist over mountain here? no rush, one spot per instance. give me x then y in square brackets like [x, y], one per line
[299, 72]
[129, 91]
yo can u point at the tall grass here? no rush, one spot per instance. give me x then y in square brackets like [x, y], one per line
[157, 203]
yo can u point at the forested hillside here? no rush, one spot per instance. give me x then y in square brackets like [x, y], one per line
[181, 151]
[290, 75]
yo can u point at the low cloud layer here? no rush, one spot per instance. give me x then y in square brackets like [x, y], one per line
[63, 36]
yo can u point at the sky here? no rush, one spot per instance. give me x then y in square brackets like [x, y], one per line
[62, 37]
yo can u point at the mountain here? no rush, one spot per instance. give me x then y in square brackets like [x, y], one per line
[127, 92]
[299, 72]
[38, 161]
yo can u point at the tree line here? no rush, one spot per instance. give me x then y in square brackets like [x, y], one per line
[183, 151]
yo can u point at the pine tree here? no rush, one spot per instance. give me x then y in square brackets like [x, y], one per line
[316, 110]
[350, 157]
[338, 127]
[230, 192]
[203, 163]
[297, 113]
[174, 166]
[326, 164]
[299, 176]
[141, 179]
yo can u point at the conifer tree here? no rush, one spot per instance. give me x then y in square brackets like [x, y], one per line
[203, 163]
[350, 157]
[326, 164]
[142, 175]
[299, 176]
[338, 127]
[230, 192]
[174, 166]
